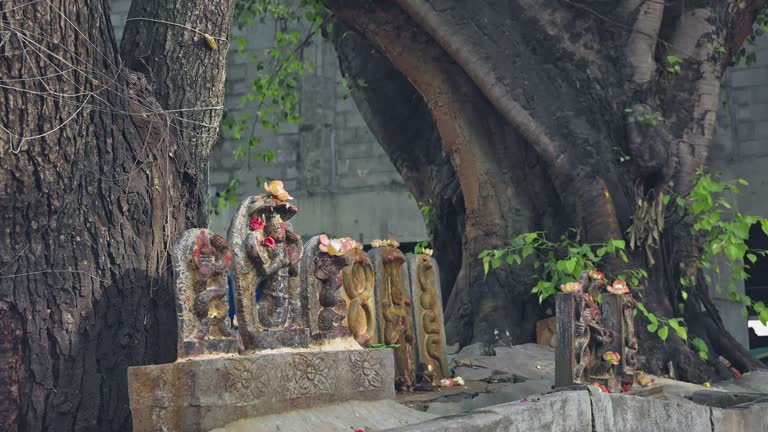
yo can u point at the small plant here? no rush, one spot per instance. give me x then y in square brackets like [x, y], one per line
[643, 116]
[560, 262]
[673, 64]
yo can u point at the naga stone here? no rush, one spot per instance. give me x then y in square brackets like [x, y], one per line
[266, 254]
[431, 348]
[320, 274]
[358, 280]
[201, 259]
[393, 310]
[596, 343]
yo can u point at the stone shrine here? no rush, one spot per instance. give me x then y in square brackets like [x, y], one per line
[321, 268]
[201, 259]
[358, 281]
[266, 254]
[394, 309]
[210, 385]
[431, 350]
[596, 343]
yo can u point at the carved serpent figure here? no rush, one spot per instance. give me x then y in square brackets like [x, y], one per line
[429, 316]
[629, 357]
[397, 324]
[582, 338]
[358, 283]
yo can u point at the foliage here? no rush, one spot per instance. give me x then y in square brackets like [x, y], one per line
[559, 262]
[673, 64]
[227, 197]
[725, 233]
[273, 98]
[760, 28]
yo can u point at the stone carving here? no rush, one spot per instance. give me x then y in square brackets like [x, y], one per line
[266, 255]
[596, 342]
[201, 259]
[393, 308]
[629, 354]
[244, 378]
[367, 368]
[320, 271]
[358, 280]
[428, 314]
[306, 375]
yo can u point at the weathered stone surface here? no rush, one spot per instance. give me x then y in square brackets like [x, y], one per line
[320, 275]
[428, 321]
[347, 417]
[561, 412]
[266, 254]
[358, 281]
[527, 361]
[206, 393]
[393, 312]
[201, 259]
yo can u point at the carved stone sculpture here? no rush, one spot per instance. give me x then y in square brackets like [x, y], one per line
[358, 281]
[393, 306]
[266, 255]
[201, 259]
[428, 314]
[320, 271]
[596, 343]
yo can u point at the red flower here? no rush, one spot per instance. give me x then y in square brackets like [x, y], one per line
[269, 242]
[256, 224]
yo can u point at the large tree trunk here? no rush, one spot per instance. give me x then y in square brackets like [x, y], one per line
[101, 168]
[527, 100]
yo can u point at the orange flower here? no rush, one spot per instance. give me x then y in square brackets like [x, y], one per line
[571, 287]
[276, 189]
[612, 357]
[618, 287]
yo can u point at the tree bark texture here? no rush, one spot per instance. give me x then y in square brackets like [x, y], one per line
[103, 161]
[524, 105]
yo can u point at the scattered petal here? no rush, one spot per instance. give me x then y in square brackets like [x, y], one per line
[612, 357]
[269, 242]
[571, 287]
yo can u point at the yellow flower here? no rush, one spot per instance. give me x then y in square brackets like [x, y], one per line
[707, 384]
[612, 357]
[276, 189]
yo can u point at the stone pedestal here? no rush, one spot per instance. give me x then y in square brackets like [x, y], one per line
[206, 393]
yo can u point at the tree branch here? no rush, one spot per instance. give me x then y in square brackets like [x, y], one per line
[642, 41]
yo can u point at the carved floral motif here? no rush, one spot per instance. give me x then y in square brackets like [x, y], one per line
[367, 368]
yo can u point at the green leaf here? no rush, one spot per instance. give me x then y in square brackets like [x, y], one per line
[752, 257]
[653, 326]
[663, 333]
[486, 265]
[684, 294]
[531, 237]
[666, 199]
[745, 313]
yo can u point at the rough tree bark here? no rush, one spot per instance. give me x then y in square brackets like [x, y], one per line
[103, 162]
[528, 101]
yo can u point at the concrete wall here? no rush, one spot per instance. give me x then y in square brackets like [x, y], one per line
[741, 151]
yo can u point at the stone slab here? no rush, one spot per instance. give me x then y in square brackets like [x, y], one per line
[347, 417]
[205, 393]
[528, 361]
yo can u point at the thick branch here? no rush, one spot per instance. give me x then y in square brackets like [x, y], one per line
[642, 41]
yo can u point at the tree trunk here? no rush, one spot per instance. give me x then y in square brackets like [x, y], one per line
[529, 101]
[101, 168]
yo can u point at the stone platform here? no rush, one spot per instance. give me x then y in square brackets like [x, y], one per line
[202, 394]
